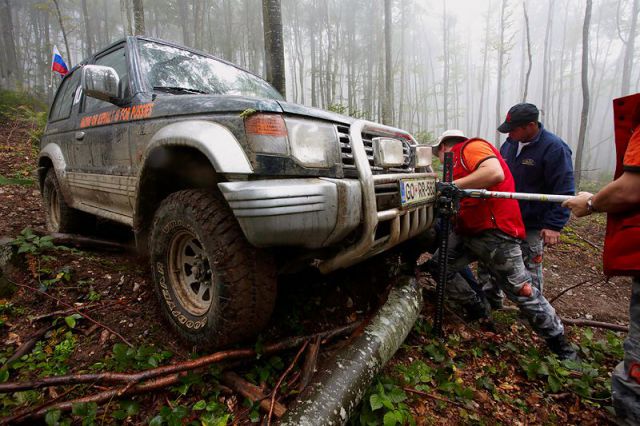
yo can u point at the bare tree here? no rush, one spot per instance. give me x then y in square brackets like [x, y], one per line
[387, 112]
[483, 78]
[584, 116]
[138, 17]
[445, 69]
[526, 81]
[125, 16]
[546, 69]
[198, 20]
[64, 33]
[629, 46]
[273, 44]
[501, 54]
[12, 72]
[85, 16]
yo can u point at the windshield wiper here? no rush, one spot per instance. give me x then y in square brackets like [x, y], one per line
[177, 89]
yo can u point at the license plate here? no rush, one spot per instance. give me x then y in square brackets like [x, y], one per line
[416, 191]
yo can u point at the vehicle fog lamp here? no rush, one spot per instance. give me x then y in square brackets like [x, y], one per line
[423, 156]
[313, 143]
[267, 134]
[388, 152]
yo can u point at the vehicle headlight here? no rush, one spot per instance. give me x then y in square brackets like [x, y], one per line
[423, 156]
[313, 143]
[388, 152]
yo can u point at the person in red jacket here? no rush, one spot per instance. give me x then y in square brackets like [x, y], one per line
[490, 231]
[620, 199]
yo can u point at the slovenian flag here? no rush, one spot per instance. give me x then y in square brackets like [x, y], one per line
[57, 63]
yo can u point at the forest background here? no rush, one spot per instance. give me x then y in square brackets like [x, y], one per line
[450, 64]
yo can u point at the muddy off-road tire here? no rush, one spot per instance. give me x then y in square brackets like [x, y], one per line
[59, 216]
[213, 286]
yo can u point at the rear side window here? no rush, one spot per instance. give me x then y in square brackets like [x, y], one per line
[118, 61]
[61, 108]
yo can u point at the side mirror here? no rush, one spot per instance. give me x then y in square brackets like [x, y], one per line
[101, 82]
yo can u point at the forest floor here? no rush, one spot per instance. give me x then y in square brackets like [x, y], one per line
[472, 377]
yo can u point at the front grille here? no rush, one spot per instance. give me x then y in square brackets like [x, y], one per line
[367, 138]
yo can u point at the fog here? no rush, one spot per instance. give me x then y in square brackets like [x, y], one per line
[445, 56]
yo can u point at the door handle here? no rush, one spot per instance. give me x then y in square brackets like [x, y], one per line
[79, 136]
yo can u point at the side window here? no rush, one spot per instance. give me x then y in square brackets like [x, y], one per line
[118, 61]
[64, 100]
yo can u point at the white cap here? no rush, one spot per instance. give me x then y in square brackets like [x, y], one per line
[451, 134]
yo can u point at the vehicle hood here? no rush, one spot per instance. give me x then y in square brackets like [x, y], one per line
[297, 109]
[172, 105]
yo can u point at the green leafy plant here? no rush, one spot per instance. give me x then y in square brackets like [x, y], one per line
[213, 413]
[384, 404]
[126, 409]
[143, 357]
[86, 411]
[175, 416]
[266, 371]
[28, 242]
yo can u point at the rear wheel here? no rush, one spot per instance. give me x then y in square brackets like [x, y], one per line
[61, 217]
[214, 287]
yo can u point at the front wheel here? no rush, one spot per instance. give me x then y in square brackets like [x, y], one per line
[214, 287]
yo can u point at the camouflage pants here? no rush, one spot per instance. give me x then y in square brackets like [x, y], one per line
[532, 253]
[502, 256]
[625, 390]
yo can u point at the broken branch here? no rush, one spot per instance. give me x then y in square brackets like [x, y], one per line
[557, 296]
[251, 391]
[596, 324]
[274, 393]
[26, 347]
[309, 365]
[204, 361]
[76, 310]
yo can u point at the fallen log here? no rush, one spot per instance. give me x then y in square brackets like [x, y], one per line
[338, 387]
[252, 392]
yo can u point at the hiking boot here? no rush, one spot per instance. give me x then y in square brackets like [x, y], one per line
[560, 346]
[496, 304]
[479, 312]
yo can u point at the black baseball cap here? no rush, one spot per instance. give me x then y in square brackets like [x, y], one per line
[519, 115]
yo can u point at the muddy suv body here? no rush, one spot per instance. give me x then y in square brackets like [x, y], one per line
[221, 180]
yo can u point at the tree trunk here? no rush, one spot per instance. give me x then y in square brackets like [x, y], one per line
[501, 49]
[198, 23]
[629, 49]
[126, 17]
[545, 60]
[64, 34]
[138, 17]
[401, 99]
[483, 78]
[526, 81]
[584, 116]
[85, 18]
[387, 111]
[273, 45]
[13, 72]
[184, 21]
[445, 68]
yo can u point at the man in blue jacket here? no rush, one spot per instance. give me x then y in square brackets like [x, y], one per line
[540, 163]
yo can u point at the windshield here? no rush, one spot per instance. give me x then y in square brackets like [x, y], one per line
[178, 71]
